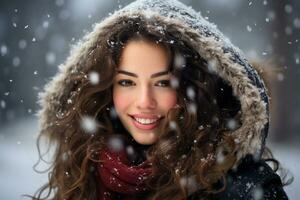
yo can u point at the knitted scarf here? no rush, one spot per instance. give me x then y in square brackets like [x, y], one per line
[120, 176]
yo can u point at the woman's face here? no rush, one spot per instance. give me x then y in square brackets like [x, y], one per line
[142, 93]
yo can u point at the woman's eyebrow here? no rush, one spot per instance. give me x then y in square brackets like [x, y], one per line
[127, 73]
[160, 74]
[152, 76]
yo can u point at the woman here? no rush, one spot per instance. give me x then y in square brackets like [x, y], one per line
[156, 103]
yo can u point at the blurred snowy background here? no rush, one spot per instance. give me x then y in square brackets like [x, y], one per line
[35, 37]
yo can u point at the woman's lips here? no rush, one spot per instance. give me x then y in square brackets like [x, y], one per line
[146, 116]
[145, 126]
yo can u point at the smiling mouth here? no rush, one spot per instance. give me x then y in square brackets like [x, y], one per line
[145, 123]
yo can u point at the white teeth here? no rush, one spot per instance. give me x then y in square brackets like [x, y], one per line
[145, 121]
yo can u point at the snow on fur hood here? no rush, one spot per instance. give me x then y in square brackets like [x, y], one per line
[210, 43]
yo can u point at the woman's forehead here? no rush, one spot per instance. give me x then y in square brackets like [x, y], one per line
[144, 58]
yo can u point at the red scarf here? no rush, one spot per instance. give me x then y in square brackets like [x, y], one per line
[119, 178]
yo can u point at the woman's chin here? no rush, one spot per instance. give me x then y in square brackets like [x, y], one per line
[145, 139]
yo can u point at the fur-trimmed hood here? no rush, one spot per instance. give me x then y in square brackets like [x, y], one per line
[228, 62]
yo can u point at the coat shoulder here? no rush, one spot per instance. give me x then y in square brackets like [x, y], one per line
[251, 180]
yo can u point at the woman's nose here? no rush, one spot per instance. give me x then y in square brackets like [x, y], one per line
[146, 99]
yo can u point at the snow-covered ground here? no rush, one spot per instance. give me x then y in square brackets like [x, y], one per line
[18, 154]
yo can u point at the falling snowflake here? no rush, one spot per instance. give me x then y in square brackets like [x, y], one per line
[288, 30]
[220, 156]
[174, 82]
[173, 125]
[16, 61]
[190, 93]
[2, 104]
[261, 168]
[179, 61]
[280, 77]
[22, 44]
[212, 65]
[45, 24]
[67, 174]
[189, 183]
[129, 150]
[50, 58]
[69, 101]
[296, 22]
[265, 2]
[115, 143]
[88, 124]
[3, 50]
[192, 108]
[257, 193]
[65, 156]
[288, 8]
[231, 124]
[94, 78]
[248, 186]
[249, 29]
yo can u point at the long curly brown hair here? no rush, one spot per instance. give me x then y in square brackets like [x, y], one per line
[192, 141]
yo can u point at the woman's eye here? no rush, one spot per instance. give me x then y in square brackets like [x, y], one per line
[125, 83]
[163, 83]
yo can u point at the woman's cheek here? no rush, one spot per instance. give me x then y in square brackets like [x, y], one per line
[121, 99]
[169, 100]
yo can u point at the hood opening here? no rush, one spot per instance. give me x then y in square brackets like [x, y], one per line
[239, 83]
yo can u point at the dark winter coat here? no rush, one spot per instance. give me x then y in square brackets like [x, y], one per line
[227, 61]
[251, 180]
